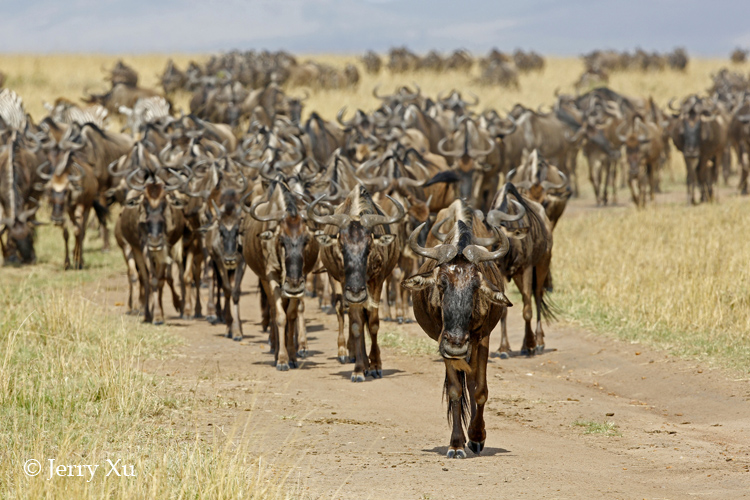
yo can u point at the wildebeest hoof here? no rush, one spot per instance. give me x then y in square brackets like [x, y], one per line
[400, 320]
[540, 349]
[302, 353]
[158, 322]
[293, 364]
[504, 355]
[376, 373]
[526, 352]
[476, 447]
[237, 337]
[358, 377]
[456, 453]
[387, 318]
[352, 359]
[343, 359]
[282, 367]
[212, 319]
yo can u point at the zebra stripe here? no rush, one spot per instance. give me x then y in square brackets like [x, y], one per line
[11, 110]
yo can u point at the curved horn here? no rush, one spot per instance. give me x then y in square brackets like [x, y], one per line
[482, 152]
[509, 130]
[338, 220]
[442, 150]
[671, 104]
[112, 171]
[477, 254]
[552, 186]
[496, 217]
[129, 180]
[272, 217]
[371, 220]
[77, 178]
[40, 171]
[376, 96]
[435, 231]
[442, 254]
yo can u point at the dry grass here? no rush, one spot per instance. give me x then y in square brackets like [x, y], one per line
[72, 390]
[672, 276]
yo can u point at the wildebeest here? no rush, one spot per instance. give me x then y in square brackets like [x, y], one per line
[543, 183]
[72, 190]
[279, 248]
[458, 299]
[643, 150]
[359, 252]
[700, 132]
[527, 261]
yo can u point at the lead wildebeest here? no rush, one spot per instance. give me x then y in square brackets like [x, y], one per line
[458, 299]
[359, 252]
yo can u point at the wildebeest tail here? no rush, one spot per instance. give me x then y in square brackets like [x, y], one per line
[547, 308]
[101, 211]
[464, 401]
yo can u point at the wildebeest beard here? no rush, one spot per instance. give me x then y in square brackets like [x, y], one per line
[355, 249]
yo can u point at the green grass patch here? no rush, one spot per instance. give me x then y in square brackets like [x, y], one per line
[592, 427]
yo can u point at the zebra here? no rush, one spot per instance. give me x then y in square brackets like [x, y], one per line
[146, 110]
[11, 110]
[65, 111]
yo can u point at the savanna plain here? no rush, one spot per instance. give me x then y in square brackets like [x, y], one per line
[643, 391]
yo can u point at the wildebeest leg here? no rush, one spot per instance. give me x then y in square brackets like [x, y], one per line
[127, 253]
[198, 263]
[278, 325]
[158, 271]
[524, 284]
[633, 184]
[187, 279]
[345, 351]
[653, 179]
[504, 348]
[744, 166]
[606, 165]
[265, 320]
[235, 289]
[595, 176]
[301, 330]
[397, 276]
[477, 433]
[542, 271]
[290, 332]
[145, 292]
[455, 384]
[357, 320]
[373, 326]
[386, 303]
[79, 230]
[212, 297]
[169, 276]
[66, 236]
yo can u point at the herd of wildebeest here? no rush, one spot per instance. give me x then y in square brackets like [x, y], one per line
[424, 200]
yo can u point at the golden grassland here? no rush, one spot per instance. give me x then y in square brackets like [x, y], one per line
[72, 390]
[70, 384]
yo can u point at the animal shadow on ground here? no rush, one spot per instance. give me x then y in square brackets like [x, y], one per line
[304, 363]
[517, 354]
[486, 452]
[347, 374]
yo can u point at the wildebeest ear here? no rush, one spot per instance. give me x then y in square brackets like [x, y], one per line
[266, 235]
[324, 240]
[418, 282]
[384, 239]
[494, 296]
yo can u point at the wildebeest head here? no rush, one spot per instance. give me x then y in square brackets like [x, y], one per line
[292, 241]
[635, 140]
[20, 248]
[536, 177]
[62, 184]
[229, 226]
[355, 237]
[468, 166]
[458, 285]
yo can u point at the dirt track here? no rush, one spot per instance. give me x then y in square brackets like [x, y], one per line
[684, 428]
